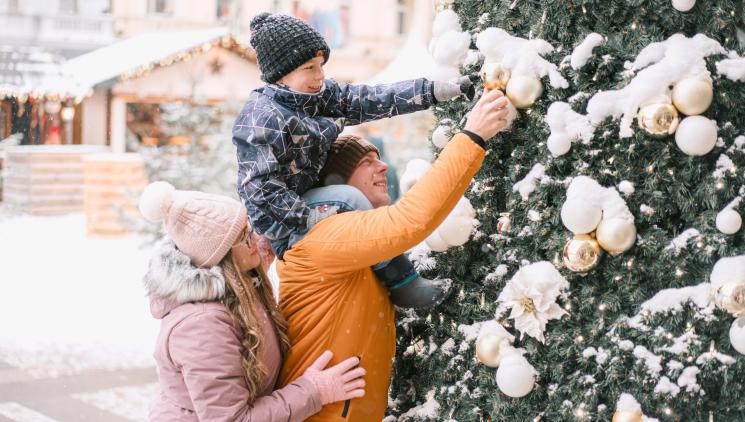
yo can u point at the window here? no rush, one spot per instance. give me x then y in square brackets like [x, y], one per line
[68, 6]
[12, 6]
[224, 8]
[158, 6]
[401, 17]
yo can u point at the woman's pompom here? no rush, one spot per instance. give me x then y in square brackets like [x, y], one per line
[156, 200]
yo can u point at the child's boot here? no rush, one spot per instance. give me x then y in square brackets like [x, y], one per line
[408, 289]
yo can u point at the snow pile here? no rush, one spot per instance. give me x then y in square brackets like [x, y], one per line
[449, 45]
[72, 303]
[672, 300]
[583, 51]
[733, 68]
[663, 64]
[523, 57]
[566, 126]
[527, 185]
[682, 240]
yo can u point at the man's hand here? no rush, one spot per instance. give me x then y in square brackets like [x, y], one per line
[490, 114]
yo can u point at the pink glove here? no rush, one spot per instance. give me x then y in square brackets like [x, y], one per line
[342, 381]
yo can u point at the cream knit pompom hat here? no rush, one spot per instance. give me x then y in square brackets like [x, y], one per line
[203, 226]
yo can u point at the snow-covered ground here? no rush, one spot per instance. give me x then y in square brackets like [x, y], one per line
[70, 303]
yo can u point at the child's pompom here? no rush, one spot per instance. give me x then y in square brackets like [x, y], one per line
[156, 200]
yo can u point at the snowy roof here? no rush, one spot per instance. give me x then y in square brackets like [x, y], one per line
[142, 53]
[24, 70]
[38, 72]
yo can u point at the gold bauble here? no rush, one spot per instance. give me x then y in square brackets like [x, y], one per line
[658, 119]
[523, 90]
[494, 75]
[616, 235]
[692, 96]
[581, 253]
[733, 299]
[628, 416]
[488, 349]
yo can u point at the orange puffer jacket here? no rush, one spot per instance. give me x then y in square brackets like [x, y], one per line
[333, 300]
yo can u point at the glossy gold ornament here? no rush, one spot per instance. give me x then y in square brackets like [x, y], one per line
[488, 349]
[523, 91]
[628, 416]
[494, 76]
[616, 235]
[658, 119]
[581, 253]
[733, 298]
[692, 96]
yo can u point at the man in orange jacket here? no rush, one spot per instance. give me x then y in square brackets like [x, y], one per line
[328, 292]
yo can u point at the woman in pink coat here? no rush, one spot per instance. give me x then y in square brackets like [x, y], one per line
[222, 336]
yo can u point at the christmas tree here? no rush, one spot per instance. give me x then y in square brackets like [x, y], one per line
[605, 274]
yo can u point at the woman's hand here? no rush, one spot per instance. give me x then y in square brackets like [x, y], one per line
[342, 381]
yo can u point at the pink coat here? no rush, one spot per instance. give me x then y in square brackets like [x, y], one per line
[199, 363]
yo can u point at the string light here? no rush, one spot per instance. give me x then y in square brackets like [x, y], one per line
[678, 272]
[602, 307]
[579, 339]
[633, 26]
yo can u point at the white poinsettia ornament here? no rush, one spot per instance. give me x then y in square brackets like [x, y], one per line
[531, 296]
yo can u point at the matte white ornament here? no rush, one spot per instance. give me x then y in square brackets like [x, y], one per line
[696, 135]
[580, 216]
[515, 376]
[737, 335]
[692, 96]
[729, 221]
[683, 5]
[616, 235]
[415, 169]
[523, 90]
[559, 144]
[455, 230]
[441, 136]
[435, 242]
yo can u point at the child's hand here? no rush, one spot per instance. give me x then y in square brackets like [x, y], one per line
[444, 91]
[342, 381]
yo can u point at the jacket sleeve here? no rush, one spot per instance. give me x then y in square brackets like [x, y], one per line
[363, 103]
[206, 348]
[274, 210]
[358, 239]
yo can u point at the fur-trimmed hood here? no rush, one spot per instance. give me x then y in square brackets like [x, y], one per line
[172, 278]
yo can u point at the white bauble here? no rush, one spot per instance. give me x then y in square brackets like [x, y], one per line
[559, 144]
[616, 235]
[464, 208]
[451, 48]
[455, 230]
[729, 221]
[515, 376]
[737, 334]
[696, 135]
[441, 136]
[415, 169]
[580, 216]
[435, 242]
[523, 90]
[683, 5]
[692, 96]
